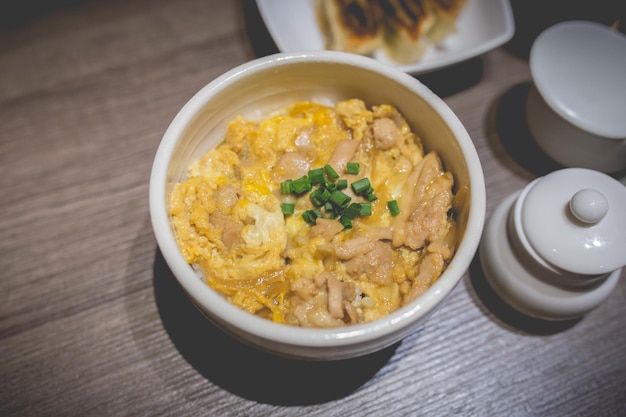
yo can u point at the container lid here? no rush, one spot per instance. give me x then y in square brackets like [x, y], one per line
[575, 219]
[578, 68]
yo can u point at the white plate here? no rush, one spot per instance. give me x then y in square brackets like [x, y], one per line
[482, 25]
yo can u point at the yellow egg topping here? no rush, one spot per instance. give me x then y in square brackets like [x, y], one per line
[318, 216]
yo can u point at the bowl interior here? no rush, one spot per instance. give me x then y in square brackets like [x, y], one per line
[260, 87]
[268, 88]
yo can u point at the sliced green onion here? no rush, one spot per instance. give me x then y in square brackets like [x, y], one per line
[320, 196]
[311, 215]
[315, 199]
[371, 197]
[361, 186]
[393, 207]
[301, 185]
[325, 188]
[346, 222]
[352, 211]
[339, 199]
[331, 172]
[288, 208]
[285, 187]
[352, 168]
[316, 176]
[307, 216]
[325, 194]
[330, 186]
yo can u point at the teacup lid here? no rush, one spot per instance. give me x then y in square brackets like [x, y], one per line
[578, 68]
[575, 219]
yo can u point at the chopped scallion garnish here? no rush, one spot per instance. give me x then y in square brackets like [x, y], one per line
[285, 187]
[393, 207]
[346, 222]
[301, 185]
[352, 211]
[319, 196]
[361, 186]
[339, 199]
[331, 172]
[352, 168]
[371, 197]
[325, 187]
[288, 208]
[311, 215]
[316, 176]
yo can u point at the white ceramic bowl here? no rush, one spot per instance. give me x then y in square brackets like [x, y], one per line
[272, 83]
[576, 108]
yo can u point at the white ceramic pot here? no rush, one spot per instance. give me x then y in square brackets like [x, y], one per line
[576, 108]
[555, 249]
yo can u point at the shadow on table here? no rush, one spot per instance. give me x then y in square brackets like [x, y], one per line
[514, 136]
[259, 37]
[533, 17]
[246, 371]
[487, 299]
[454, 78]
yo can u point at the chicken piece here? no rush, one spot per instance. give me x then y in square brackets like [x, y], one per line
[226, 197]
[362, 242]
[386, 133]
[326, 229]
[349, 291]
[353, 247]
[335, 296]
[424, 216]
[441, 247]
[304, 287]
[431, 268]
[351, 315]
[376, 265]
[344, 151]
[429, 221]
[231, 229]
[291, 165]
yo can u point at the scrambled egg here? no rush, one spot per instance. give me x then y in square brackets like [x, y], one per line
[229, 220]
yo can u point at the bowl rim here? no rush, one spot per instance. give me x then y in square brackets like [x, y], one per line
[261, 328]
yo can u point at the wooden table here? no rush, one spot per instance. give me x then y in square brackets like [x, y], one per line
[92, 322]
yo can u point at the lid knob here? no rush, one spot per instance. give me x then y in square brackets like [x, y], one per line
[589, 205]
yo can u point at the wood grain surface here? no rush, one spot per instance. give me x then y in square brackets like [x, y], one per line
[92, 322]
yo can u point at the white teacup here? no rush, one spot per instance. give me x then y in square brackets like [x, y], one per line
[576, 108]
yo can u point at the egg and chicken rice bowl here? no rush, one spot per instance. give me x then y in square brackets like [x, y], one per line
[318, 216]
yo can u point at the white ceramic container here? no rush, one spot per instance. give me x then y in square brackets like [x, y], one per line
[576, 108]
[555, 249]
[258, 87]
